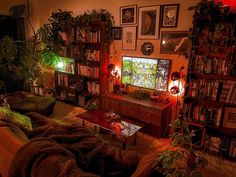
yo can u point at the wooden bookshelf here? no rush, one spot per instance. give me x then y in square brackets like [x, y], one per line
[210, 98]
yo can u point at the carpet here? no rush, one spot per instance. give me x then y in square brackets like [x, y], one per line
[145, 144]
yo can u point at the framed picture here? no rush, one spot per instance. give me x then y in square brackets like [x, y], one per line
[170, 15]
[147, 48]
[128, 15]
[229, 120]
[149, 22]
[174, 42]
[129, 38]
[116, 33]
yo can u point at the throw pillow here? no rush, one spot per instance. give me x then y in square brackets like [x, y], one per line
[21, 121]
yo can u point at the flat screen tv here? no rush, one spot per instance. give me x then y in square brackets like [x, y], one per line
[151, 73]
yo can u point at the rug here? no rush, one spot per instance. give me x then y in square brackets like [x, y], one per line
[145, 144]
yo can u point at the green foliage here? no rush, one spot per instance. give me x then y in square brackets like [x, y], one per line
[96, 16]
[17, 11]
[8, 50]
[140, 94]
[62, 20]
[180, 160]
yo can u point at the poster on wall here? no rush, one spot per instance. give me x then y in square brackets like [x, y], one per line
[129, 38]
[128, 15]
[149, 22]
[170, 15]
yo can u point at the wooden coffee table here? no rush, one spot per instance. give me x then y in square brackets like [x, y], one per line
[112, 122]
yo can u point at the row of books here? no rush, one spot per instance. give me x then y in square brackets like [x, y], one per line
[93, 88]
[204, 64]
[222, 145]
[90, 36]
[223, 91]
[200, 113]
[203, 89]
[88, 71]
[228, 93]
[93, 55]
[64, 80]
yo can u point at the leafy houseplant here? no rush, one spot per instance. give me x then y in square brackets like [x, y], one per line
[62, 21]
[181, 160]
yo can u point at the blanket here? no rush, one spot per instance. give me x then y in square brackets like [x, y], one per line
[42, 157]
[90, 153]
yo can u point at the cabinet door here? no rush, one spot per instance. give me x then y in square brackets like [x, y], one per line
[128, 109]
[110, 105]
[150, 116]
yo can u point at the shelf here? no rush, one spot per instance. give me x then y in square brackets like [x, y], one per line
[221, 131]
[95, 46]
[69, 89]
[89, 78]
[206, 102]
[64, 72]
[89, 62]
[214, 76]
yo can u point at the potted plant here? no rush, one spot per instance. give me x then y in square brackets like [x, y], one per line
[181, 159]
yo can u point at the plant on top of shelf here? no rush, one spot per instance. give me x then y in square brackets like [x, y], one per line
[97, 16]
[62, 21]
[207, 14]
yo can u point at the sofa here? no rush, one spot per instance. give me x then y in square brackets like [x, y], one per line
[36, 145]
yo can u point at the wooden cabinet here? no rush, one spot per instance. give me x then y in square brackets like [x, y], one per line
[155, 116]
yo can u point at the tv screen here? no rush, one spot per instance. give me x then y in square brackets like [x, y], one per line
[145, 72]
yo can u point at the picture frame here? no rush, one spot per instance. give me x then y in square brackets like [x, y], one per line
[147, 48]
[128, 15]
[229, 119]
[116, 33]
[170, 15]
[149, 17]
[129, 38]
[174, 42]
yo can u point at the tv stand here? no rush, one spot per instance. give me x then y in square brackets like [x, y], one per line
[155, 115]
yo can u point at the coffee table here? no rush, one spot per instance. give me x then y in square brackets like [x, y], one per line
[112, 122]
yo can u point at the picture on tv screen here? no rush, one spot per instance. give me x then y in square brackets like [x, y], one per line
[145, 72]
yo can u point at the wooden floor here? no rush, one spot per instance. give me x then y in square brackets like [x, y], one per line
[147, 144]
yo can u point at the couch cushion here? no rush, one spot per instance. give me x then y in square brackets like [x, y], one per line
[23, 103]
[21, 121]
[10, 143]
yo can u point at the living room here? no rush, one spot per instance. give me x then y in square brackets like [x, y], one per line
[155, 80]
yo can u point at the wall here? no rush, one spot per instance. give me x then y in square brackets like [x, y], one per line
[41, 10]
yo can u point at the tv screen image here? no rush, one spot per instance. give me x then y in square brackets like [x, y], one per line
[145, 72]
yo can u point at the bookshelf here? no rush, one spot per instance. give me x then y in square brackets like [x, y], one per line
[210, 98]
[92, 62]
[83, 74]
[65, 80]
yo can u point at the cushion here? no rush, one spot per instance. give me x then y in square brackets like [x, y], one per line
[21, 121]
[23, 102]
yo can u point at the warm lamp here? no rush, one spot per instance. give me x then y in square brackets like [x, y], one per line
[113, 74]
[176, 86]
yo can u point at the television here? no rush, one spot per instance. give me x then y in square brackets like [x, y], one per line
[151, 73]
